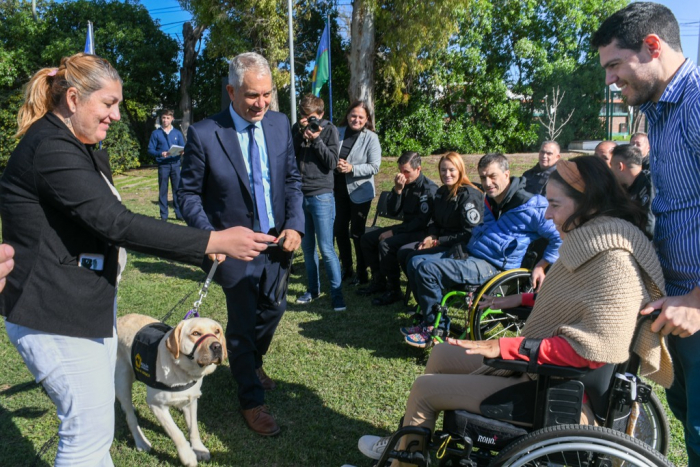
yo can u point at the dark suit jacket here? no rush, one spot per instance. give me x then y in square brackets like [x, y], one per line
[215, 192]
[56, 206]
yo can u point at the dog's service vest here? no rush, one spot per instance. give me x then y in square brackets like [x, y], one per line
[144, 354]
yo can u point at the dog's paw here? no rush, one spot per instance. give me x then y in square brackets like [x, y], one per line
[187, 457]
[202, 453]
[142, 443]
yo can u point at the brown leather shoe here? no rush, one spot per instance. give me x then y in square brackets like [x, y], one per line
[265, 380]
[261, 421]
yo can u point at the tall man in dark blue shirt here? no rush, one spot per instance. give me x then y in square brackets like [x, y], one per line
[162, 139]
[640, 50]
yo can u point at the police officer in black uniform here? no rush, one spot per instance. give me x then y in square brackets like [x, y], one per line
[412, 195]
[626, 164]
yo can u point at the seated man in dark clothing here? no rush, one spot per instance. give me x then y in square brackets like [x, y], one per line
[627, 167]
[536, 178]
[412, 195]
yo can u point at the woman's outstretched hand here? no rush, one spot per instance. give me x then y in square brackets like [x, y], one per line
[489, 349]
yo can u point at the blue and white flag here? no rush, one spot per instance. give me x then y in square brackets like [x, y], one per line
[90, 40]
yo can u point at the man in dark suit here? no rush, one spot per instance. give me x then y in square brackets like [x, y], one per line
[239, 170]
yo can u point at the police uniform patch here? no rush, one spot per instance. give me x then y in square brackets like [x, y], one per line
[423, 198]
[424, 208]
[469, 206]
[645, 200]
[473, 216]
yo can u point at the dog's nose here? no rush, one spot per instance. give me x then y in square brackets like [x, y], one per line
[215, 347]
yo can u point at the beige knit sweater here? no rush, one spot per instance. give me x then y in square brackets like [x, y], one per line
[606, 271]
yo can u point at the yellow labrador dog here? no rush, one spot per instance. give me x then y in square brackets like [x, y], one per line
[172, 365]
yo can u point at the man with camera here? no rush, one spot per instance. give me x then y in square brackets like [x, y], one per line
[316, 150]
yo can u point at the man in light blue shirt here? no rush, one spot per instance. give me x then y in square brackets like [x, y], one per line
[641, 53]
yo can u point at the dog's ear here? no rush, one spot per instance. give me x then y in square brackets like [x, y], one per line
[222, 341]
[173, 342]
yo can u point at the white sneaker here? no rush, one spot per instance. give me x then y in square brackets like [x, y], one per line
[373, 446]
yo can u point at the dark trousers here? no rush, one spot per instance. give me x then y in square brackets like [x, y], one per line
[684, 395]
[350, 222]
[168, 172]
[255, 307]
[381, 256]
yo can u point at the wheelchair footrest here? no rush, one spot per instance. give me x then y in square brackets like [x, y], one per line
[484, 432]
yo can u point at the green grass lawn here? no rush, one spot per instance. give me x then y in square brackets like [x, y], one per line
[339, 375]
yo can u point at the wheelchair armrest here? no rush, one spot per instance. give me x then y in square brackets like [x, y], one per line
[521, 366]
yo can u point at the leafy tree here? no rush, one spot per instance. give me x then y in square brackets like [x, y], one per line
[125, 34]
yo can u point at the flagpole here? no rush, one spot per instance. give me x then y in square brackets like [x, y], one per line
[293, 91]
[330, 73]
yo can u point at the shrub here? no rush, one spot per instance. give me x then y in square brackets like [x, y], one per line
[122, 146]
[9, 106]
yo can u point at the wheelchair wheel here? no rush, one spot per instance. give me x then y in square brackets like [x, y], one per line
[458, 311]
[579, 446]
[652, 425]
[492, 324]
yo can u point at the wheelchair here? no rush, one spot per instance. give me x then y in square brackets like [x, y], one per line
[458, 314]
[536, 423]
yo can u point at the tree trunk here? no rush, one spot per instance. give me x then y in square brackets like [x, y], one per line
[362, 52]
[191, 37]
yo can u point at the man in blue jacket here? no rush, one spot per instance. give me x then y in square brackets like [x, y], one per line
[513, 218]
[162, 139]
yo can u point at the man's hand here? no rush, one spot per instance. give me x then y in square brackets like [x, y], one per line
[164, 153]
[238, 242]
[428, 242]
[292, 240]
[538, 274]
[7, 263]
[310, 136]
[489, 349]
[344, 166]
[500, 303]
[384, 235]
[399, 183]
[680, 316]
[217, 257]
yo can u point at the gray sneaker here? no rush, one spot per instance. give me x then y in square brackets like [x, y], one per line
[307, 298]
[373, 446]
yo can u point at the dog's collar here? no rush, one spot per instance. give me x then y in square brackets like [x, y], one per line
[196, 344]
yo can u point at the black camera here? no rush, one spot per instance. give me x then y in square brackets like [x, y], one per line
[312, 124]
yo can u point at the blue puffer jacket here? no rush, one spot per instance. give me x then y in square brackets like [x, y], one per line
[503, 241]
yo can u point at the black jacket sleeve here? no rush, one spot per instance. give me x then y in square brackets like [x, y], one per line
[326, 146]
[471, 212]
[420, 220]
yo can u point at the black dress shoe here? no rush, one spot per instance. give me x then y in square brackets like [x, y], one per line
[392, 296]
[373, 288]
[346, 274]
[360, 279]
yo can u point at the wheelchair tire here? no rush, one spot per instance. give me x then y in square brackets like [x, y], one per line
[652, 426]
[458, 311]
[579, 446]
[492, 324]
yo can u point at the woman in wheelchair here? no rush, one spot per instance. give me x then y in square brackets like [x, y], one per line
[584, 315]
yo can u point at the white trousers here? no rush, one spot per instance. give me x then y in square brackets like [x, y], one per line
[78, 375]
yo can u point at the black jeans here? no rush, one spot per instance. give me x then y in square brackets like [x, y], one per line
[350, 222]
[381, 257]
